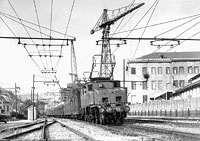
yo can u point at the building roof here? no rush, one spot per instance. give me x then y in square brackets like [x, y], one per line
[187, 87]
[194, 77]
[172, 55]
[167, 57]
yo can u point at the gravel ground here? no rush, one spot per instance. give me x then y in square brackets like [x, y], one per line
[32, 136]
[61, 133]
[97, 132]
[177, 128]
[9, 132]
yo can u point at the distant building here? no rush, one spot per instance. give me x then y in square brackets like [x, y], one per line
[158, 75]
[5, 105]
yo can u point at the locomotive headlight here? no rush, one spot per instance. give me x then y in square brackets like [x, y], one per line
[102, 110]
[118, 109]
[109, 109]
[127, 109]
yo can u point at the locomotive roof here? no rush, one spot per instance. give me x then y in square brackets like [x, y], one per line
[101, 79]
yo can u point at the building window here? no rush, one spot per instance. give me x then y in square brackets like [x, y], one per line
[160, 84]
[133, 85]
[175, 83]
[181, 83]
[153, 85]
[167, 70]
[175, 70]
[144, 70]
[153, 70]
[181, 70]
[7, 108]
[196, 69]
[168, 86]
[159, 70]
[133, 98]
[190, 70]
[144, 85]
[133, 70]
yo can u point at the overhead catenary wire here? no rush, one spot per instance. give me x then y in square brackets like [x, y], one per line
[51, 18]
[66, 30]
[25, 29]
[31, 23]
[40, 30]
[8, 27]
[156, 3]
[24, 46]
[157, 24]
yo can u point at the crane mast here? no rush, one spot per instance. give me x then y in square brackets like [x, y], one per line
[74, 76]
[107, 61]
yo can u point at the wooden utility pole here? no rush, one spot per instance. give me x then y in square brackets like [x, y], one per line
[33, 93]
[16, 95]
[124, 73]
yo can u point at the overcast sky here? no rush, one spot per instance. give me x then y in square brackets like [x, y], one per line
[17, 67]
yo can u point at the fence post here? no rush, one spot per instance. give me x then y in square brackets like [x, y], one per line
[188, 112]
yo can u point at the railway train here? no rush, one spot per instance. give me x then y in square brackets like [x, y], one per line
[101, 100]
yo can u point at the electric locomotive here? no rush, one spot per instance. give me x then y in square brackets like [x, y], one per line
[104, 101]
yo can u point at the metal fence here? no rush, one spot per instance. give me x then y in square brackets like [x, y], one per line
[168, 108]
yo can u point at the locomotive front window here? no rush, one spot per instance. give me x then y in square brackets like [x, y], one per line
[101, 85]
[104, 99]
[118, 98]
[90, 87]
[117, 84]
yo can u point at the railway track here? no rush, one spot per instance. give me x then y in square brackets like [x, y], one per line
[84, 136]
[39, 126]
[21, 126]
[174, 134]
[136, 128]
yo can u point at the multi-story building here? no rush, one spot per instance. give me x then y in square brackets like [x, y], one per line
[157, 75]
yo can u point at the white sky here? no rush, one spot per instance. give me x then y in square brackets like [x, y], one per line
[17, 67]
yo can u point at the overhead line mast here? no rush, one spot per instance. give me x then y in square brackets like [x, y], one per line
[107, 63]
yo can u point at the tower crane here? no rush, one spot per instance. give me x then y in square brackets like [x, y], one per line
[107, 62]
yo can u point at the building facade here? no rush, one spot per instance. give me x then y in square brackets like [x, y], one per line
[158, 75]
[5, 105]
